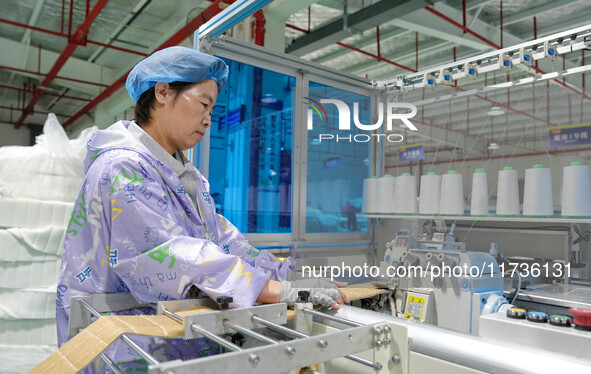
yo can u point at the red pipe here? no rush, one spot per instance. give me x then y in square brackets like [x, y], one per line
[57, 77]
[32, 27]
[417, 54]
[501, 15]
[464, 14]
[583, 64]
[376, 57]
[509, 108]
[117, 48]
[39, 59]
[46, 93]
[37, 111]
[181, 35]
[443, 16]
[77, 38]
[259, 30]
[70, 20]
[378, 41]
[63, 10]
[62, 35]
[536, 33]
[297, 28]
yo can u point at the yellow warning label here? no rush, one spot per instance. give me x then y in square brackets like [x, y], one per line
[414, 308]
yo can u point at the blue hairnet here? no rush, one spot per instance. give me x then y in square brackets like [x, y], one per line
[175, 64]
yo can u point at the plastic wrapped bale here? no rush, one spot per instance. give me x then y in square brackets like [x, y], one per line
[50, 170]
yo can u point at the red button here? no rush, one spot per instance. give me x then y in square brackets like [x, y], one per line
[582, 316]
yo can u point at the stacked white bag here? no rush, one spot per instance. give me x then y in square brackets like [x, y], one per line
[38, 185]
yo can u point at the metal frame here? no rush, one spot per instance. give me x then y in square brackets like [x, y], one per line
[514, 50]
[392, 343]
[304, 350]
[227, 19]
[80, 316]
[219, 48]
[267, 359]
[214, 321]
[303, 71]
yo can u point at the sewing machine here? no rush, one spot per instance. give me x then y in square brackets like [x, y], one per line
[439, 282]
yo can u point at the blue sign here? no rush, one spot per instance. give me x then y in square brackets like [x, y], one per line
[232, 117]
[414, 152]
[570, 135]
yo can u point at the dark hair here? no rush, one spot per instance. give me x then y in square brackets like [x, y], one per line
[146, 101]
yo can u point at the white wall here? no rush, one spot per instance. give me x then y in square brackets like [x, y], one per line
[11, 136]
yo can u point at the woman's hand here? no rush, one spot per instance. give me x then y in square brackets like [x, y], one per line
[321, 291]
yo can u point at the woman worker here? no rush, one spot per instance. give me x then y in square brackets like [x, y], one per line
[144, 221]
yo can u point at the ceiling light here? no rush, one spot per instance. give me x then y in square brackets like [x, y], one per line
[269, 99]
[495, 111]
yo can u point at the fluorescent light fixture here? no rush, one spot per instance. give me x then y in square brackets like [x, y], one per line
[269, 99]
[493, 146]
[495, 111]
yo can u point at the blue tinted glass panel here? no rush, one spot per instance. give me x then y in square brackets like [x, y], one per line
[338, 161]
[250, 152]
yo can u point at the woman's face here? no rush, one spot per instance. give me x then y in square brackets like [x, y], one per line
[187, 115]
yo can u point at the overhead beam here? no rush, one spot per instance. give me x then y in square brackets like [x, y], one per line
[346, 26]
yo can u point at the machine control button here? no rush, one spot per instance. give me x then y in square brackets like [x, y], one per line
[560, 320]
[516, 313]
[582, 318]
[540, 317]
